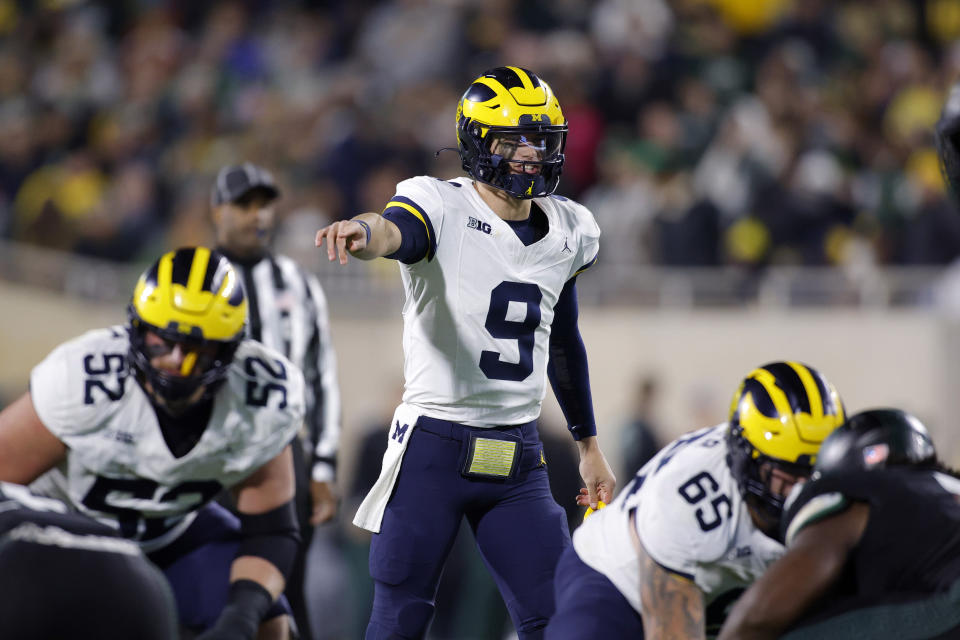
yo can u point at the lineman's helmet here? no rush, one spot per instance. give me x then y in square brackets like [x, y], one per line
[779, 417]
[191, 297]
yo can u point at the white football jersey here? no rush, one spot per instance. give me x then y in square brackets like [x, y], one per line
[479, 307]
[691, 520]
[119, 469]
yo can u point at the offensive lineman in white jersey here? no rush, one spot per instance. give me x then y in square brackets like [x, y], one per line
[697, 524]
[488, 264]
[140, 426]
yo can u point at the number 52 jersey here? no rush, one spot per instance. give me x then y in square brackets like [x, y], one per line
[480, 304]
[691, 521]
[119, 469]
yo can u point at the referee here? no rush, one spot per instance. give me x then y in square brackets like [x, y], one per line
[288, 311]
[63, 575]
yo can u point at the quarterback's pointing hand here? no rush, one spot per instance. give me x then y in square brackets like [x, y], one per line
[366, 236]
[344, 236]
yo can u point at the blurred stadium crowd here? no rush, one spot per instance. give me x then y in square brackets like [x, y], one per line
[702, 132]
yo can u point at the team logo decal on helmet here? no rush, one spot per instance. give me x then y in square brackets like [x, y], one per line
[190, 297]
[780, 415]
[511, 132]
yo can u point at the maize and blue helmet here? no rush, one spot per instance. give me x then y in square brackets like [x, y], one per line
[502, 110]
[192, 297]
[780, 415]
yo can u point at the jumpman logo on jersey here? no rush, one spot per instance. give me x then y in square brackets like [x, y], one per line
[566, 247]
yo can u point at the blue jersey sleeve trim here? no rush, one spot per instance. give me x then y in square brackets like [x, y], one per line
[401, 203]
[414, 241]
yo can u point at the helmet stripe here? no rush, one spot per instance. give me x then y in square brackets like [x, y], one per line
[198, 269]
[828, 395]
[813, 391]
[508, 77]
[791, 384]
[165, 268]
[524, 77]
[231, 286]
[150, 277]
[480, 92]
[760, 397]
[213, 275]
[182, 261]
[777, 392]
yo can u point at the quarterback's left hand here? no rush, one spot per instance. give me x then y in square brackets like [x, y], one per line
[596, 474]
[324, 502]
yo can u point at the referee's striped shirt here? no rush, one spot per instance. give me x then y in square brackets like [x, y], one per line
[288, 312]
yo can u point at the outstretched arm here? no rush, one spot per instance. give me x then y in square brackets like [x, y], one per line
[366, 236]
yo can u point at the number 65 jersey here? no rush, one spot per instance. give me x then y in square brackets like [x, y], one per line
[479, 306]
[691, 521]
[119, 469]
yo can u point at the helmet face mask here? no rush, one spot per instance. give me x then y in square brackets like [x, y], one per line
[756, 474]
[511, 133]
[780, 415]
[190, 301]
[206, 362]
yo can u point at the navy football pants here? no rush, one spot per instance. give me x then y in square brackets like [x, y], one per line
[197, 565]
[519, 528]
[589, 605]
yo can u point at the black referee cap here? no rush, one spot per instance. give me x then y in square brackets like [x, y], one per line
[236, 180]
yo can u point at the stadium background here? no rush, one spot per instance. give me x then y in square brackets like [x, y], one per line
[763, 173]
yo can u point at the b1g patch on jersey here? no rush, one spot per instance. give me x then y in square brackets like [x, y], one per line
[473, 223]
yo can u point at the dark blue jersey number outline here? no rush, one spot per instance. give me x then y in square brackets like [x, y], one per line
[109, 364]
[700, 487]
[523, 331]
[258, 393]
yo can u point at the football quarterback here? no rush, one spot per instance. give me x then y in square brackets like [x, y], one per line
[489, 264]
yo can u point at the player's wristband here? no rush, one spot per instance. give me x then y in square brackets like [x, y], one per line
[366, 227]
